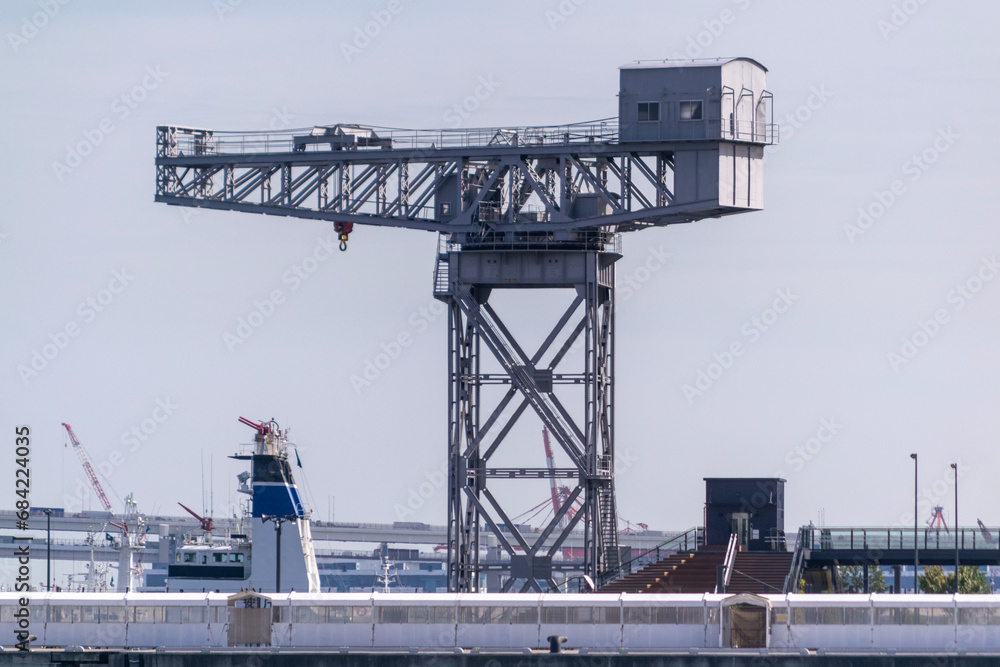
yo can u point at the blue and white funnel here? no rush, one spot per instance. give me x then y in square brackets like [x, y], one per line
[277, 510]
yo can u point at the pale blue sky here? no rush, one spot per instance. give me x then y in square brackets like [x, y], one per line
[870, 88]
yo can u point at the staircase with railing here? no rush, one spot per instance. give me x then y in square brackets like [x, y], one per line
[441, 267]
[681, 546]
[609, 529]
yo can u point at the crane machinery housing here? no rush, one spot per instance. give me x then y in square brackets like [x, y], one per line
[516, 208]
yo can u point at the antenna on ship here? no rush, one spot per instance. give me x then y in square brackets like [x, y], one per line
[387, 572]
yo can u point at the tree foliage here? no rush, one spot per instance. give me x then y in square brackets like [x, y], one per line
[852, 579]
[970, 580]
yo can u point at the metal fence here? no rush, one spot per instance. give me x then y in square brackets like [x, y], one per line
[899, 538]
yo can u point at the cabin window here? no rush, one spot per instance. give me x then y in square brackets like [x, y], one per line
[219, 558]
[649, 112]
[64, 614]
[393, 614]
[691, 110]
[657, 615]
[189, 558]
[147, 615]
[914, 616]
[978, 616]
[313, 614]
[601, 615]
[175, 615]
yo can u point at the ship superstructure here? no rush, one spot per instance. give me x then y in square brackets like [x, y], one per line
[274, 550]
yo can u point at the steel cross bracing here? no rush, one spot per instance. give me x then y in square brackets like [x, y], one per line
[477, 430]
[535, 208]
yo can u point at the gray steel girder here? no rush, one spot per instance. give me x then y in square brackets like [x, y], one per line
[469, 190]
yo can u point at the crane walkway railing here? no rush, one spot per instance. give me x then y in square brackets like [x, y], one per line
[175, 141]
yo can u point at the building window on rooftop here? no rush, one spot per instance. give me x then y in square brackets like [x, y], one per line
[649, 112]
[691, 110]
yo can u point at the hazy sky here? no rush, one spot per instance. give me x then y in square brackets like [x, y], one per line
[879, 241]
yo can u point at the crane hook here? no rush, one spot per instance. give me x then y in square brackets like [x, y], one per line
[343, 229]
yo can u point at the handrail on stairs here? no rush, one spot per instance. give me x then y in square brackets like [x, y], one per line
[727, 566]
[792, 578]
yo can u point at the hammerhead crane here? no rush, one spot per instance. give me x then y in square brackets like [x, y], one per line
[516, 208]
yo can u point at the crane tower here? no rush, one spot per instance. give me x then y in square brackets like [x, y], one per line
[516, 208]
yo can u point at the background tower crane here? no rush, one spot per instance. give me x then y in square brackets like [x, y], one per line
[89, 469]
[132, 525]
[517, 208]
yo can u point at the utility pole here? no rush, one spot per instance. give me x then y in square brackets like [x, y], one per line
[48, 550]
[916, 559]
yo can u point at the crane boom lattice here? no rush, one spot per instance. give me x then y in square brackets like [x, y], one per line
[89, 469]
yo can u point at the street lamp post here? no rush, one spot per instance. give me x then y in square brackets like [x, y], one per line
[958, 532]
[48, 550]
[916, 558]
[278, 520]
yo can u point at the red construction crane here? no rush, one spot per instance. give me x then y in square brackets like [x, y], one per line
[559, 493]
[937, 520]
[89, 468]
[206, 524]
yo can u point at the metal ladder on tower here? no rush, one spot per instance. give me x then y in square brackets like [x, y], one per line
[609, 534]
[441, 268]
